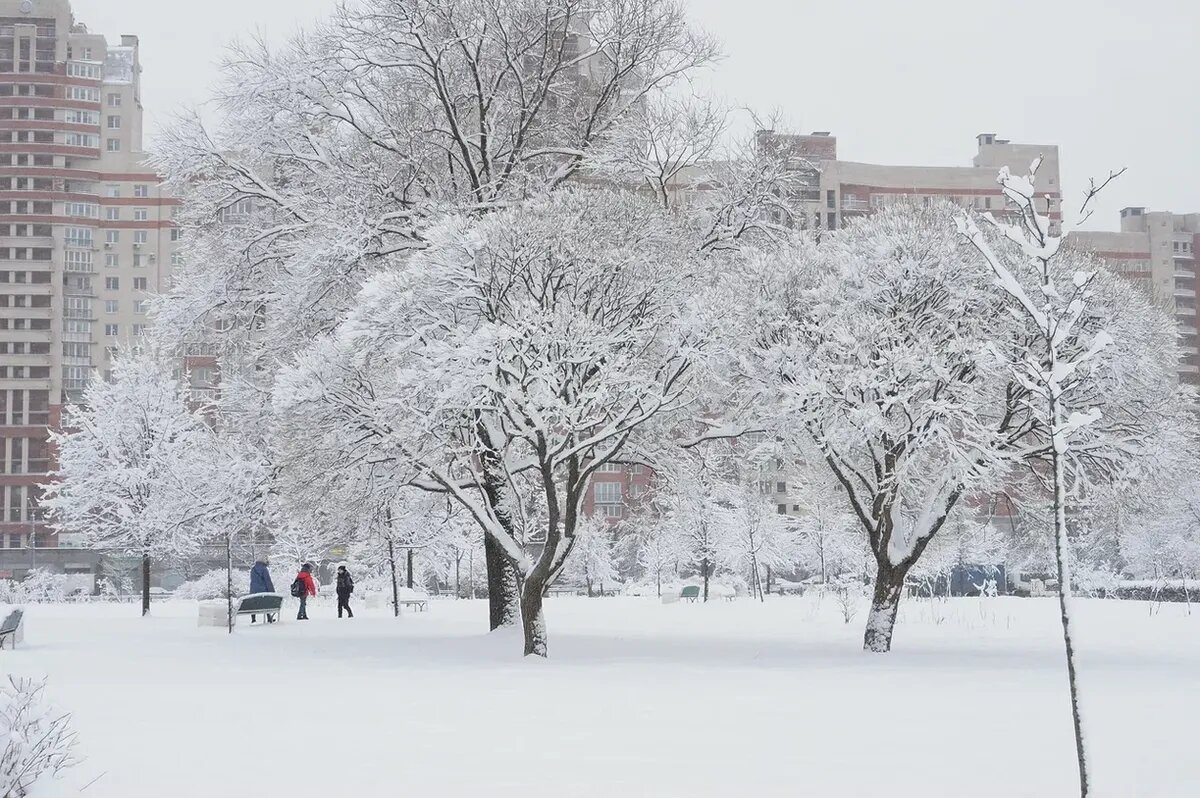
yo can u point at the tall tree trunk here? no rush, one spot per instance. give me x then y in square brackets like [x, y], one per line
[704, 570]
[504, 590]
[408, 580]
[145, 584]
[533, 619]
[229, 581]
[1062, 554]
[504, 606]
[395, 582]
[885, 603]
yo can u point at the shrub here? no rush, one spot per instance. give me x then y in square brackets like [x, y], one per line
[35, 740]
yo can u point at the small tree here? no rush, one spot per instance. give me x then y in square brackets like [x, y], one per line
[1053, 309]
[593, 561]
[117, 455]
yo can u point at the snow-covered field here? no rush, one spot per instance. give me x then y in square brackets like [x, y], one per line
[638, 699]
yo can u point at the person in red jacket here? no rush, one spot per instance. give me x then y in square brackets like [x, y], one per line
[309, 589]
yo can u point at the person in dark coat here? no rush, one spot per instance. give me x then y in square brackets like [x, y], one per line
[309, 589]
[345, 586]
[260, 582]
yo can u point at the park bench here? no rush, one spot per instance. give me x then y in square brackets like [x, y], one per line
[11, 630]
[268, 604]
[415, 601]
[690, 593]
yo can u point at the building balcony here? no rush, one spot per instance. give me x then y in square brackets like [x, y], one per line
[1189, 368]
[1185, 290]
[27, 360]
[17, 384]
[27, 289]
[1184, 310]
[1178, 256]
[36, 336]
[33, 313]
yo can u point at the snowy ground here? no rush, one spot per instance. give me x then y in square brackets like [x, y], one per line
[639, 699]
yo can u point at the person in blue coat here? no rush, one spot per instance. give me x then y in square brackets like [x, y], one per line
[260, 582]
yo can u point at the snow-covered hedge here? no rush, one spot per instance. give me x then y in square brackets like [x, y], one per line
[38, 587]
[210, 586]
[36, 742]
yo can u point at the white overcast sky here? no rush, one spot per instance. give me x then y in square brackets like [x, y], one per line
[1112, 83]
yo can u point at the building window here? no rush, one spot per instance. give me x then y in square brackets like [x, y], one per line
[112, 214]
[140, 236]
[139, 283]
[114, 145]
[141, 191]
[114, 100]
[112, 191]
[139, 307]
[832, 221]
[140, 214]
[112, 330]
[611, 468]
[112, 261]
[112, 283]
[114, 123]
[176, 234]
[138, 261]
[830, 199]
[139, 329]
[112, 236]
[111, 306]
[176, 258]
[781, 487]
[606, 492]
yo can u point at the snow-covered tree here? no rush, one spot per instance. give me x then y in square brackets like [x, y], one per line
[336, 154]
[752, 535]
[830, 540]
[1091, 410]
[119, 458]
[874, 346]
[593, 560]
[509, 361]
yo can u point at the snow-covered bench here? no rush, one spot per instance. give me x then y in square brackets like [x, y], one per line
[267, 604]
[11, 631]
[407, 597]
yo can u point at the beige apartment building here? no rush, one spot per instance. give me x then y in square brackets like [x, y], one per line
[85, 234]
[1158, 250]
[834, 191]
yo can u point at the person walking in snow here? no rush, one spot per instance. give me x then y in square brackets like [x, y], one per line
[303, 587]
[260, 582]
[345, 586]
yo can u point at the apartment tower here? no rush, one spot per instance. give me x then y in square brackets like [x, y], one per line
[85, 235]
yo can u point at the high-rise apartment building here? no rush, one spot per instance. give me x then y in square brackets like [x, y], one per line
[1158, 250]
[85, 234]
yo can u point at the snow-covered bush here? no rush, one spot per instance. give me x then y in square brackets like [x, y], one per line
[38, 587]
[36, 741]
[210, 586]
